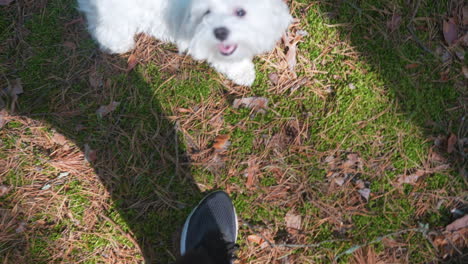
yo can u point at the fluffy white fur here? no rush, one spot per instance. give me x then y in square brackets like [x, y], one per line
[254, 27]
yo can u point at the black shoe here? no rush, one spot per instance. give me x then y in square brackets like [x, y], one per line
[210, 231]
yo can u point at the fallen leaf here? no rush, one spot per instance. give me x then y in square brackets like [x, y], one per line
[411, 66]
[291, 55]
[15, 88]
[221, 143]
[184, 110]
[4, 190]
[293, 220]
[360, 184]
[90, 155]
[258, 104]
[251, 172]
[394, 23]
[291, 45]
[339, 180]
[59, 139]
[450, 30]
[95, 79]
[448, 241]
[365, 193]
[351, 164]
[5, 2]
[352, 86]
[274, 78]
[255, 239]
[106, 109]
[40, 222]
[458, 224]
[69, 45]
[465, 71]
[132, 62]
[436, 157]
[451, 142]
[412, 178]
[3, 117]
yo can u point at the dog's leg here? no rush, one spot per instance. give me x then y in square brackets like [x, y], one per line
[182, 46]
[242, 73]
[114, 38]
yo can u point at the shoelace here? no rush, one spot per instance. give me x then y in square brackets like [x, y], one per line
[232, 249]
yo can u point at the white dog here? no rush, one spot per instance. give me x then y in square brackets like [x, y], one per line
[225, 33]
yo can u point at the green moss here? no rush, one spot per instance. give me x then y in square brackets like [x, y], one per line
[77, 200]
[377, 108]
[38, 250]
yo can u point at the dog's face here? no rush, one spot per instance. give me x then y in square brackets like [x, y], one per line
[232, 30]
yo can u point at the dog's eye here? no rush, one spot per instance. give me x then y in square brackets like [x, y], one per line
[207, 12]
[240, 12]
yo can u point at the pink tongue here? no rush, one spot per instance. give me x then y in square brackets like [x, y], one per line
[226, 48]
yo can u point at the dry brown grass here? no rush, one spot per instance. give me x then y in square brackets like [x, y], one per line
[33, 210]
[282, 155]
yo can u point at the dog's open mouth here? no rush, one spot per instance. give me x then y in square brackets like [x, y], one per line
[227, 49]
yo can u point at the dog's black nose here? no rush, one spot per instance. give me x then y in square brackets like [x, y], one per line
[221, 33]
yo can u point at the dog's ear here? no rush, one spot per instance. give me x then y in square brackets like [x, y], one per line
[193, 16]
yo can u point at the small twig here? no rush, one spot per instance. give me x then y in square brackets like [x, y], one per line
[422, 229]
[309, 245]
[176, 146]
[418, 41]
[415, 11]
[410, 28]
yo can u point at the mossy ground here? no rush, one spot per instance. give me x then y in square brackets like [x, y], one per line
[154, 157]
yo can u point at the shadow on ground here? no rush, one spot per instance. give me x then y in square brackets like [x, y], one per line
[134, 149]
[138, 156]
[402, 41]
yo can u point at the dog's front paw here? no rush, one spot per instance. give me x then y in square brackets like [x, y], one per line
[113, 41]
[245, 77]
[241, 73]
[116, 45]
